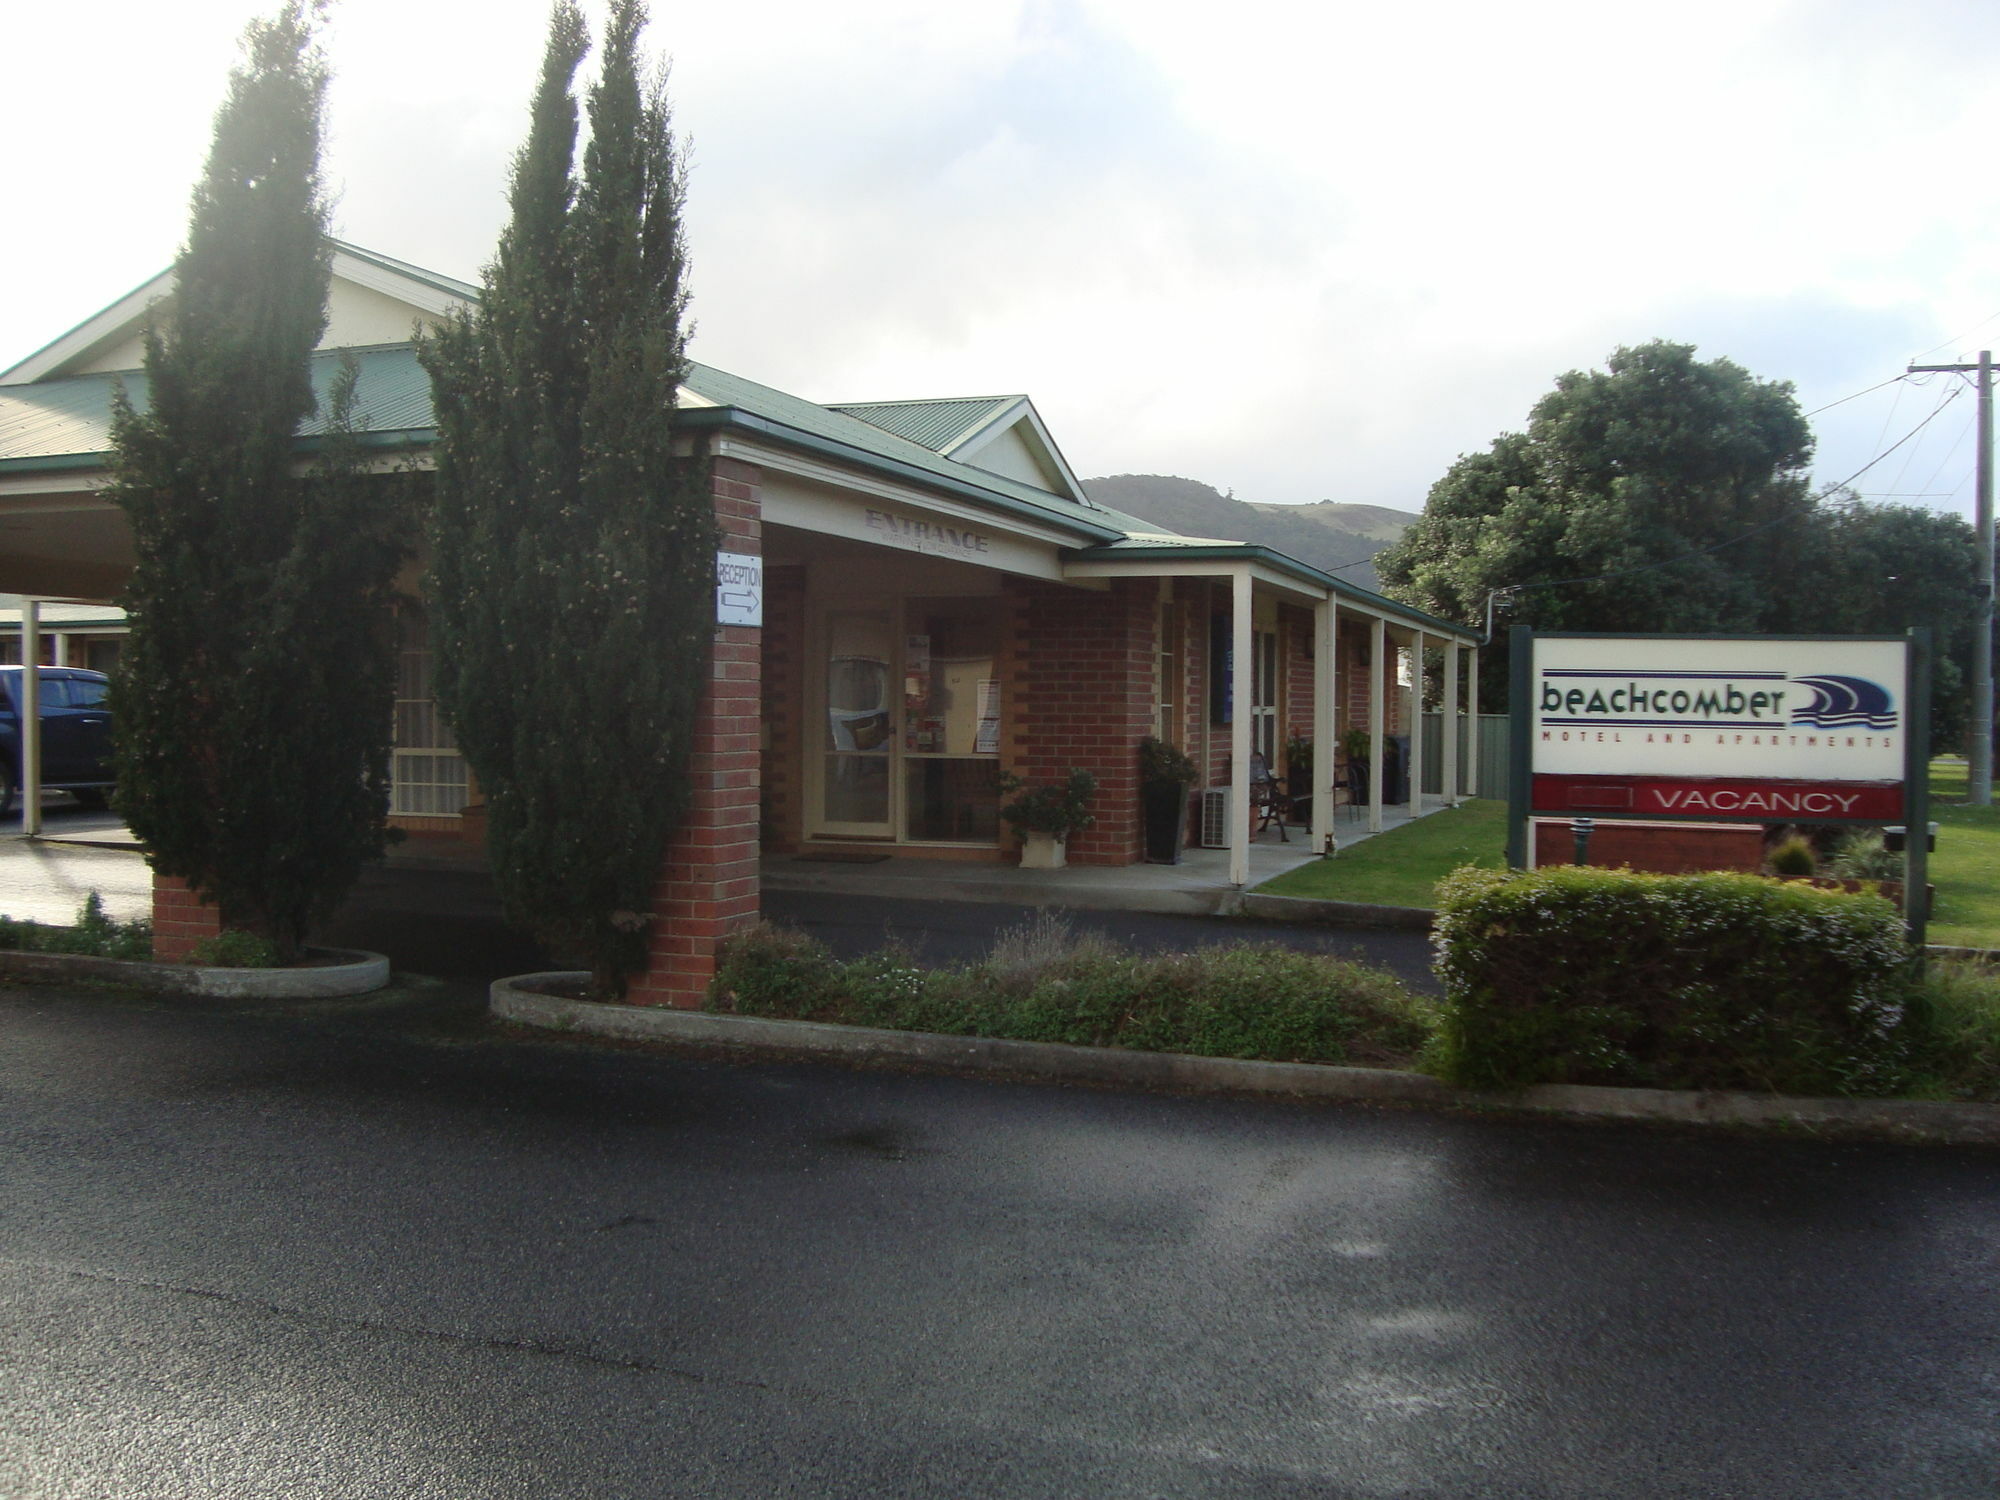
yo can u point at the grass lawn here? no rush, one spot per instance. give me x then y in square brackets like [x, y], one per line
[1966, 867]
[1402, 867]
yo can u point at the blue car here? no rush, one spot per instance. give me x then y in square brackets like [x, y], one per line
[76, 735]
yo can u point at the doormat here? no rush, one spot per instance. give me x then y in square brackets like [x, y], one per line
[839, 857]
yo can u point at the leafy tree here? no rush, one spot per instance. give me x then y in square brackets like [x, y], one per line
[1879, 569]
[254, 697]
[1651, 459]
[572, 586]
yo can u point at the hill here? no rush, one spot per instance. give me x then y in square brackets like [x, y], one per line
[1329, 535]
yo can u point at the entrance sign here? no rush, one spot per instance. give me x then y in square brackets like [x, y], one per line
[739, 588]
[1691, 728]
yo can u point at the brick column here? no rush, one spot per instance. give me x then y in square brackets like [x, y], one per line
[708, 883]
[181, 919]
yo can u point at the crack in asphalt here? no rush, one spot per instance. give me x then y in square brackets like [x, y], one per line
[542, 1347]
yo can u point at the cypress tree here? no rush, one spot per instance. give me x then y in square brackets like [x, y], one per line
[572, 581]
[254, 697]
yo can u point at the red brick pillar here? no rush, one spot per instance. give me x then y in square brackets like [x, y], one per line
[708, 884]
[181, 919]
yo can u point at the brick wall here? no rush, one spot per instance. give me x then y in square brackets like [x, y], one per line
[1088, 701]
[1662, 848]
[708, 885]
[784, 694]
[1295, 641]
[181, 919]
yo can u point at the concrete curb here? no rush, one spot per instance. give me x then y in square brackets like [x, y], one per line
[359, 973]
[1052, 1062]
[1083, 897]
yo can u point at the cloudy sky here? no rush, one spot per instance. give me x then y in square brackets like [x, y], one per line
[1313, 251]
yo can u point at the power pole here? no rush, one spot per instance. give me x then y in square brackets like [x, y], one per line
[1979, 776]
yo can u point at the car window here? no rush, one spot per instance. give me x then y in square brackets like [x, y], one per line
[54, 693]
[86, 692]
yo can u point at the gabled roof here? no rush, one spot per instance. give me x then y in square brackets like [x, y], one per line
[973, 430]
[938, 425]
[719, 388]
[425, 291]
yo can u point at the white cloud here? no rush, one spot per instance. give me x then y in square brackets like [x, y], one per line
[1317, 250]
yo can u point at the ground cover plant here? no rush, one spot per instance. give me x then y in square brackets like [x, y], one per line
[1403, 866]
[1720, 981]
[1956, 1007]
[1046, 983]
[95, 934]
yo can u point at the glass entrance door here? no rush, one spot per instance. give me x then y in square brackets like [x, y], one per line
[858, 736]
[951, 721]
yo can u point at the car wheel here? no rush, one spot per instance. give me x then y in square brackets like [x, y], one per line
[96, 798]
[7, 786]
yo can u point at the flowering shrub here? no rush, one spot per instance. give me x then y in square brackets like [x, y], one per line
[1578, 975]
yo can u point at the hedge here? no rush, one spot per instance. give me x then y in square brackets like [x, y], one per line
[1580, 975]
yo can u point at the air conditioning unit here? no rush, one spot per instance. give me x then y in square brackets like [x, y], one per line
[1215, 817]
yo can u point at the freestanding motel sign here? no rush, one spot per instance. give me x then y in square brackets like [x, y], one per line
[1714, 728]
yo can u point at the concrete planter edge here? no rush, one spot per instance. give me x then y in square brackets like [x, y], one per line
[359, 973]
[1052, 1062]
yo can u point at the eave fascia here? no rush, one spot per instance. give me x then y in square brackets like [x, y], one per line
[1157, 562]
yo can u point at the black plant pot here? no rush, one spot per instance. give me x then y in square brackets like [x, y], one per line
[1165, 809]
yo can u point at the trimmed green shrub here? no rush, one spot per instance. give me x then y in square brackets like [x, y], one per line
[95, 935]
[233, 948]
[1577, 975]
[1045, 983]
[1794, 856]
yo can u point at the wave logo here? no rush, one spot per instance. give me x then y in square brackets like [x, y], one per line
[1845, 703]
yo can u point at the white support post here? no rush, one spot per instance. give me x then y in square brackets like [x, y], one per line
[1416, 765]
[1377, 692]
[1472, 729]
[1240, 686]
[31, 717]
[1451, 724]
[1325, 697]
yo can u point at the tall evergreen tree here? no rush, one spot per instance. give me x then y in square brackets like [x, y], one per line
[254, 697]
[572, 582]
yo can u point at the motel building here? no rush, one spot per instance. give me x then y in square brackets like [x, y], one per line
[916, 599]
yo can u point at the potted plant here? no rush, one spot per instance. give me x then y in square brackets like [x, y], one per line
[1045, 816]
[1165, 774]
[1354, 746]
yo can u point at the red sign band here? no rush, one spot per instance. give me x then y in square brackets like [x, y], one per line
[1744, 799]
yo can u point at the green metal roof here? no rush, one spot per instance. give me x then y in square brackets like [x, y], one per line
[867, 439]
[66, 422]
[938, 425]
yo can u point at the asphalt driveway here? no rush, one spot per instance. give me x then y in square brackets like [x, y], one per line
[384, 1249]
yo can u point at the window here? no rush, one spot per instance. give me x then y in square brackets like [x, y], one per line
[427, 773]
